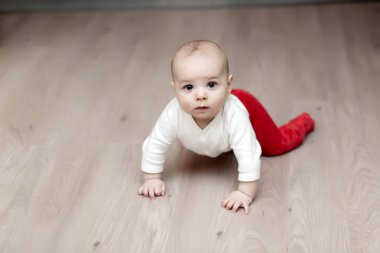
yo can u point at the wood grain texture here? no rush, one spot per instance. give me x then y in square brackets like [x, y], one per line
[80, 91]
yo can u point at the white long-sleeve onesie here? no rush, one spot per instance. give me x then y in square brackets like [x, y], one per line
[230, 129]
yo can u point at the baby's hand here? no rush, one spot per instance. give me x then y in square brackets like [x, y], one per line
[152, 188]
[235, 200]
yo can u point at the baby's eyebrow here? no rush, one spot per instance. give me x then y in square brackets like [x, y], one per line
[204, 78]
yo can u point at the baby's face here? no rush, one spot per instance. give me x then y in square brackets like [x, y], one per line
[201, 84]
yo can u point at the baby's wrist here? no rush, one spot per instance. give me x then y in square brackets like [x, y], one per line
[249, 188]
[150, 176]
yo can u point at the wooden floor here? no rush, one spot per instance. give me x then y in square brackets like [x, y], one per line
[79, 92]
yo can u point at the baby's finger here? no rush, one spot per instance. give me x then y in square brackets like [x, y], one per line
[236, 206]
[151, 192]
[145, 191]
[230, 204]
[225, 201]
[163, 189]
[140, 190]
[246, 208]
[157, 191]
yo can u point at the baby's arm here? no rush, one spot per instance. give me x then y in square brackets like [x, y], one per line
[154, 150]
[243, 197]
[153, 186]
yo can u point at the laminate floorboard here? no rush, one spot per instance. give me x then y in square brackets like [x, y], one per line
[80, 91]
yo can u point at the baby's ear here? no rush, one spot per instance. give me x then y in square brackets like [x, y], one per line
[230, 81]
[172, 83]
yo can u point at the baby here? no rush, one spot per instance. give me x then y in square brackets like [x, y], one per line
[210, 118]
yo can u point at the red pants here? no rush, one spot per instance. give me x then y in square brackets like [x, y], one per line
[274, 140]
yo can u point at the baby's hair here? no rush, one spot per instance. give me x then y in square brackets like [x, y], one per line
[191, 47]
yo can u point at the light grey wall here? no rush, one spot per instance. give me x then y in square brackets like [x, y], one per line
[11, 5]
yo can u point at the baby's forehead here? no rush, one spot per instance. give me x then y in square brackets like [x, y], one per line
[205, 53]
[198, 54]
[198, 67]
[199, 63]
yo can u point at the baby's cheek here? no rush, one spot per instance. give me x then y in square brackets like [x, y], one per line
[186, 106]
[219, 104]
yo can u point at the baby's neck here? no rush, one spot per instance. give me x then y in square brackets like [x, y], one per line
[202, 123]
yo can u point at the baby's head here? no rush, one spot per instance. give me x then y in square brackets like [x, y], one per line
[196, 47]
[201, 79]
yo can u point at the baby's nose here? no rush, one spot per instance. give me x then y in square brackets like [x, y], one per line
[201, 95]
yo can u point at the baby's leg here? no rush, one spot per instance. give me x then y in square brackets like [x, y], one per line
[274, 140]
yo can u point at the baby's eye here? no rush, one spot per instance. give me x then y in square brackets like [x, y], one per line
[188, 87]
[211, 84]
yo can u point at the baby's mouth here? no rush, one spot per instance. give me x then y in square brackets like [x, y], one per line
[202, 108]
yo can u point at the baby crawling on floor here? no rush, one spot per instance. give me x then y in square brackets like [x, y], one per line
[210, 118]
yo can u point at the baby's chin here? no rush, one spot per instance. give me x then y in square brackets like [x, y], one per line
[203, 118]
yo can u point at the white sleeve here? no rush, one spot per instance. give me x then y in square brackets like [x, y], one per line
[157, 143]
[246, 148]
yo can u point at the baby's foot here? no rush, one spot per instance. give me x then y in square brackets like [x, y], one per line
[304, 122]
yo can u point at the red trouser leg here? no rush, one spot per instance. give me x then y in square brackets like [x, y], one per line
[274, 140]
